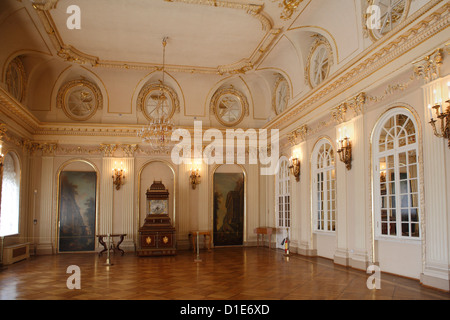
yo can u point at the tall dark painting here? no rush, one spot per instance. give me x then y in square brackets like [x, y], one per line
[77, 206]
[228, 209]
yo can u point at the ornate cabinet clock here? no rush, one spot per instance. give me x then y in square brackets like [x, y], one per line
[157, 235]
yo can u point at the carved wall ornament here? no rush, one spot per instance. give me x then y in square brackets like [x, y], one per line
[230, 106]
[108, 149]
[339, 112]
[129, 149]
[319, 61]
[79, 99]
[155, 105]
[280, 96]
[429, 68]
[16, 79]
[299, 135]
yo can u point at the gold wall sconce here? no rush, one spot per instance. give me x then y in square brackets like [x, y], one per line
[194, 177]
[443, 131]
[294, 165]
[345, 149]
[118, 176]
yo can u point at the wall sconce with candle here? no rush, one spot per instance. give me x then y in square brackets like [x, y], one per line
[194, 177]
[444, 130]
[118, 176]
[294, 165]
[345, 149]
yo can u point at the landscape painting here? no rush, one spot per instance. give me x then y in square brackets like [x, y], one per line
[228, 219]
[77, 208]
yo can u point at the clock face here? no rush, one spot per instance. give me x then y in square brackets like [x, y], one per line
[158, 101]
[229, 106]
[79, 99]
[158, 206]
[281, 95]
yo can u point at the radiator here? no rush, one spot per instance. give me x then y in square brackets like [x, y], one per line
[15, 253]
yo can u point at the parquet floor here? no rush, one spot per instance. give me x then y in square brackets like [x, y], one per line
[223, 274]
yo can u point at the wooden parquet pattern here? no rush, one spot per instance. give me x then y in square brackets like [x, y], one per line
[223, 274]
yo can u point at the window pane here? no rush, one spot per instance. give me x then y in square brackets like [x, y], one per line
[9, 219]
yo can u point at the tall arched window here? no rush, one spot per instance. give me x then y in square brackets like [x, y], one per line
[324, 187]
[396, 176]
[283, 195]
[9, 218]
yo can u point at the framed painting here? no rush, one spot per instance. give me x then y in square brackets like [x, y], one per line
[77, 211]
[228, 215]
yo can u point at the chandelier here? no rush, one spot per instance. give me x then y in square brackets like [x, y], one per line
[159, 131]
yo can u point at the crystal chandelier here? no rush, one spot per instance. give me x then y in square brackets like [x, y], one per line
[159, 131]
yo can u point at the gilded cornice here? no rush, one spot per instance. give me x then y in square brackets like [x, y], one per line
[413, 33]
[71, 54]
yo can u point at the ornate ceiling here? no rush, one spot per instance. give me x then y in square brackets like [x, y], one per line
[204, 35]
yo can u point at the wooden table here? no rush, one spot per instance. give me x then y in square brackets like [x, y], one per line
[114, 247]
[261, 231]
[203, 233]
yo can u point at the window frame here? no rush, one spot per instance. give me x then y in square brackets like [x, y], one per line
[328, 222]
[394, 155]
[283, 190]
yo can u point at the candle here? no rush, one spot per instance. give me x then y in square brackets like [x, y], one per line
[431, 112]
[448, 89]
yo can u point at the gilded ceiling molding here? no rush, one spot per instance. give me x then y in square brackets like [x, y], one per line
[71, 54]
[429, 68]
[44, 5]
[289, 7]
[10, 106]
[371, 60]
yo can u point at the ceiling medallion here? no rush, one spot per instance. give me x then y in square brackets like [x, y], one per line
[280, 97]
[79, 99]
[391, 13]
[16, 79]
[319, 61]
[158, 103]
[289, 7]
[230, 106]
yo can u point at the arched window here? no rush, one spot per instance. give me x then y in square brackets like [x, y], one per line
[396, 176]
[9, 218]
[324, 187]
[283, 195]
